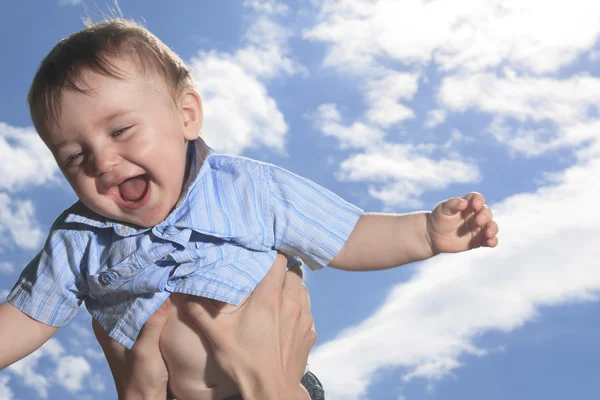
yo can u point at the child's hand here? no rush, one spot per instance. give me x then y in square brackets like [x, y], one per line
[461, 223]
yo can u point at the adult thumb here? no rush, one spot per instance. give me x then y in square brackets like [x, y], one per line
[154, 325]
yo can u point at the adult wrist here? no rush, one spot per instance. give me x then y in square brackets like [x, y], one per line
[133, 393]
[272, 387]
[258, 391]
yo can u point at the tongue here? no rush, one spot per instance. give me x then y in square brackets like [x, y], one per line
[133, 189]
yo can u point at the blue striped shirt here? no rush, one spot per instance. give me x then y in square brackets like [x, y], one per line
[218, 242]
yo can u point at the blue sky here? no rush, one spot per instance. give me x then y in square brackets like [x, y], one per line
[394, 105]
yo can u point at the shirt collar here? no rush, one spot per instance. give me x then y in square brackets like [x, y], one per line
[197, 155]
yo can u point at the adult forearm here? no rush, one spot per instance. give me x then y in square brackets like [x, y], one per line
[381, 241]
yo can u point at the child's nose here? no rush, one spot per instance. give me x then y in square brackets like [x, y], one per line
[104, 160]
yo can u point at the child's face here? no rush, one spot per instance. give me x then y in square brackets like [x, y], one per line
[122, 147]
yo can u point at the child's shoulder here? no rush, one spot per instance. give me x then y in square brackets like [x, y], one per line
[78, 214]
[227, 162]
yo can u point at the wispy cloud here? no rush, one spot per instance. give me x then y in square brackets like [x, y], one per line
[466, 43]
[398, 174]
[6, 267]
[69, 2]
[17, 221]
[69, 372]
[5, 392]
[26, 160]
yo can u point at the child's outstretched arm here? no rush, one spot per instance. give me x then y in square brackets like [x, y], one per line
[20, 335]
[381, 241]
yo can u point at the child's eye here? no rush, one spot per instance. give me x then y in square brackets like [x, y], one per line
[72, 159]
[119, 132]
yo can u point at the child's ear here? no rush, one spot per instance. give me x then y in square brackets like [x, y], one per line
[191, 112]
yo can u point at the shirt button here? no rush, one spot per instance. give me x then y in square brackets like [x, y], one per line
[171, 230]
[106, 278]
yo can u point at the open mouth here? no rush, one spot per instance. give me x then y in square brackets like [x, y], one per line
[133, 191]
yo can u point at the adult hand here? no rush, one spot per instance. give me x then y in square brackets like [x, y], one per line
[264, 343]
[140, 373]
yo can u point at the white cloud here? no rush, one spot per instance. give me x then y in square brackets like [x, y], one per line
[26, 368]
[359, 135]
[69, 2]
[71, 371]
[26, 160]
[17, 219]
[456, 138]
[6, 267]
[493, 57]
[267, 6]
[383, 95]
[239, 113]
[457, 34]
[400, 174]
[96, 382]
[547, 256]
[564, 105]
[523, 98]
[435, 118]
[95, 354]
[84, 332]
[5, 392]
[3, 294]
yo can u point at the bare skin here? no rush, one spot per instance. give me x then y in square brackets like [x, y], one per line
[262, 346]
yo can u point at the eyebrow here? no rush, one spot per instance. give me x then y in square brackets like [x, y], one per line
[103, 121]
[111, 116]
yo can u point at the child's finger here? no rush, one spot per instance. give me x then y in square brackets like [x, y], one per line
[484, 216]
[493, 242]
[453, 206]
[491, 230]
[476, 200]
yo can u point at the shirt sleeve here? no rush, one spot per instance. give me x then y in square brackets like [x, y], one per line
[51, 287]
[309, 221]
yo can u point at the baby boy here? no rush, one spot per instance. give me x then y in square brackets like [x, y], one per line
[160, 215]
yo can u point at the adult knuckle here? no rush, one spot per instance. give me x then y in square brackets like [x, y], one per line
[294, 309]
[312, 336]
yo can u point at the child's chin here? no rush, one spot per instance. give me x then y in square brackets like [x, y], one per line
[149, 221]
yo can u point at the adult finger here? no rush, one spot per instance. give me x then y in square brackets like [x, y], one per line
[110, 347]
[293, 280]
[113, 352]
[273, 280]
[147, 341]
